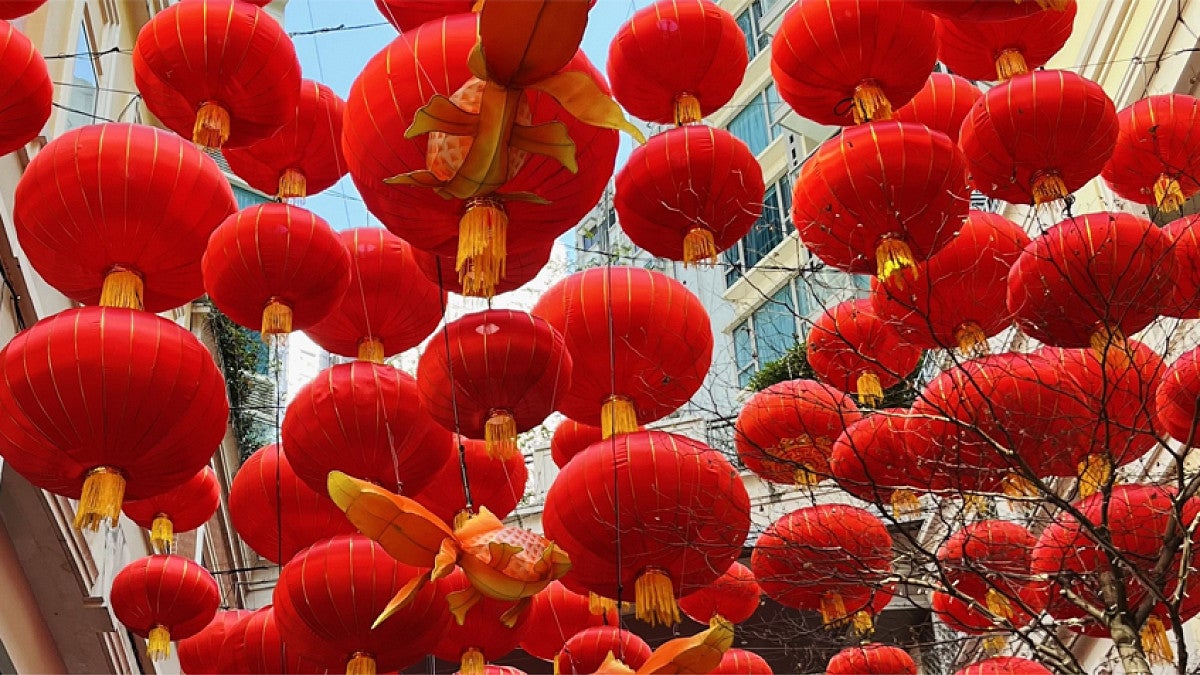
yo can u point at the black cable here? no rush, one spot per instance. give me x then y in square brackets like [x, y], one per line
[462, 448]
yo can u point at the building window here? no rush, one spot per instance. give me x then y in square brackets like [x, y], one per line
[768, 332]
[84, 92]
[771, 228]
[760, 122]
[750, 21]
[246, 198]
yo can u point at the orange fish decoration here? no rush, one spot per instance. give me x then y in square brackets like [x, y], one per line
[501, 562]
[700, 653]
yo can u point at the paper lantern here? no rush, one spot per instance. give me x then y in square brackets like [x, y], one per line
[200, 654]
[1154, 158]
[181, 509]
[164, 598]
[1005, 665]
[1185, 296]
[872, 461]
[942, 104]
[871, 659]
[999, 50]
[571, 438]
[586, 651]
[850, 348]
[482, 636]
[734, 596]
[557, 614]
[742, 662]
[407, 15]
[25, 85]
[255, 646]
[12, 9]
[520, 268]
[1178, 397]
[987, 10]
[497, 484]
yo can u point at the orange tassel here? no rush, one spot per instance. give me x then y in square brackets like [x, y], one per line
[371, 350]
[617, 416]
[971, 339]
[905, 503]
[293, 185]
[699, 246]
[360, 664]
[870, 103]
[482, 245]
[687, 109]
[1155, 643]
[472, 663]
[212, 126]
[654, 598]
[1094, 473]
[869, 389]
[1168, 194]
[500, 435]
[893, 257]
[103, 492]
[1009, 64]
[158, 645]
[122, 288]
[1048, 187]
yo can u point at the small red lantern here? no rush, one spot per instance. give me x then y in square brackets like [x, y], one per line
[407, 15]
[164, 598]
[999, 50]
[25, 81]
[556, 615]
[498, 484]
[255, 646]
[571, 438]
[988, 10]
[1005, 665]
[850, 348]
[180, 509]
[483, 635]
[742, 662]
[201, 653]
[871, 659]
[1178, 399]
[734, 596]
[1155, 160]
[871, 461]
[520, 268]
[587, 650]
[942, 104]
[12, 9]
[1185, 238]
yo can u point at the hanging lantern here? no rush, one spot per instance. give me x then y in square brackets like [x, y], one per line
[1155, 157]
[1000, 50]
[555, 615]
[164, 598]
[650, 359]
[483, 635]
[328, 597]
[366, 420]
[880, 198]
[521, 267]
[1185, 295]
[784, 433]
[496, 484]
[254, 646]
[958, 298]
[220, 72]
[586, 651]
[841, 62]
[679, 508]
[180, 509]
[832, 558]
[24, 81]
[146, 410]
[871, 659]
[689, 193]
[942, 104]
[304, 157]
[571, 438]
[1178, 399]
[494, 374]
[988, 10]
[389, 307]
[1005, 665]
[275, 513]
[407, 15]
[872, 461]
[677, 61]
[1038, 137]
[734, 597]
[742, 662]
[851, 349]
[201, 653]
[275, 268]
[12, 9]
[162, 200]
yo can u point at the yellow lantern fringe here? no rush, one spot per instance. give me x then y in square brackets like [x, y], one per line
[655, 598]
[1053, 5]
[870, 103]
[1009, 64]
[158, 645]
[687, 109]
[500, 435]
[1094, 473]
[869, 389]
[893, 256]
[971, 339]
[972, 502]
[212, 126]
[1168, 194]
[1017, 486]
[998, 605]
[360, 664]
[554, 665]
[994, 644]
[370, 349]
[482, 247]
[162, 533]
[805, 477]
[1110, 346]
[103, 492]
[617, 416]
[862, 622]
[1155, 643]
[699, 247]
[1048, 187]
[833, 609]
[292, 185]
[905, 502]
[276, 319]
[472, 663]
[122, 288]
[598, 604]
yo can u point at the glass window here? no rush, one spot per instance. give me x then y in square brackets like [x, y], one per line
[245, 198]
[776, 109]
[746, 23]
[733, 263]
[862, 284]
[750, 125]
[743, 353]
[85, 81]
[775, 325]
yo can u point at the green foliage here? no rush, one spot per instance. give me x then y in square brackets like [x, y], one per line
[793, 365]
[241, 356]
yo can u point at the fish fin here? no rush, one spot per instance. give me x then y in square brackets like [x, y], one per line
[462, 601]
[512, 614]
[478, 523]
[476, 63]
[442, 114]
[579, 94]
[420, 178]
[500, 554]
[524, 197]
[549, 139]
[402, 598]
[446, 558]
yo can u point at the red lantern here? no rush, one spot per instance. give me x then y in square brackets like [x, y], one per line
[181, 509]
[275, 513]
[1038, 137]
[871, 659]
[555, 615]
[850, 348]
[255, 646]
[12, 9]
[1005, 665]
[742, 662]
[275, 268]
[220, 72]
[832, 557]
[520, 268]
[1178, 399]
[494, 374]
[390, 306]
[365, 420]
[879, 198]
[734, 596]
[958, 299]
[1185, 296]
[1114, 270]
[201, 653]
[330, 594]
[305, 156]
[482, 636]
[162, 198]
[851, 61]
[407, 15]
[677, 61]
[587, 650]
[784, 433]
[164, 598]
[987, 10]
[571, 438]
[942, 104]
[1155, 157]
[24, 81]
[683, 516]
[641, 343]
[872, 461]
[498, 484]
[144, 414]
[999, 50]
[689, 193]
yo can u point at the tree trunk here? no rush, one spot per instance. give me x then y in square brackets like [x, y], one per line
[1129, 647]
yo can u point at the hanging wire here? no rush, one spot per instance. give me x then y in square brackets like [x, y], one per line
[462, 448]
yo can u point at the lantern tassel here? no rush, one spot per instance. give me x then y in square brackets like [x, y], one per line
[276, 319]
[655, 598]
[472, 663]
[598, 604]
[905, 502]
[617, 416]
[500, 435]
[162, 533]
[1110, 346]
[998, 605]
[687, 109]
[1168, 194]
[805, 477]
[971, 339]
[870, 103]
[122, 288]
[1009, 64]
[892, 257]
[1017, 486]
[1094, 473]
[833, 609]
[292, 185]
[371, 350]
[862, 622]
[699, 247]
[1155, 643]
[994, 644]
[158, 645]
[212, 126]
[1048, 187]
[360, 664]
[482, 248]
[974, 503]
[103, 492]
[869, 389]
[1053, 5]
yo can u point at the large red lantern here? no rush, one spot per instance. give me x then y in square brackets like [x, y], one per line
[1155, 160]
[571, 438]
[588, 649]
[1185, 238]
[640, 341]
[365, 420]
[878, 198]
[677, 61]
[201, 653]
[851, 61]
[162, 198]
[220, 72]
[987, 10]
[390, 306]
[832, 558]
[483, 635]
[678, 506]
[1178, 399]
[275, 513]
[520, 268]
[12, 9]
[1038, 137]
[871, 659]
[872, 461]
[497, 484]
[180, 509]
[784, 433]
[1005, 665]
[942, 104]
[742, 662]
[164, 598]
[254, 646]
[328, 597]
[689, 193]
[734, 596]
[144, 414]
[850, 348]
[407, 15]
[275, 268]
[999, 50]
[25, 85]
[555, 615]
[492, 375]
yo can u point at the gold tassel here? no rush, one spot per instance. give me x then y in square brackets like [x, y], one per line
[500, 435]
[687, 109]
[699, 247]
[1155, 643]
[1094, 473]
[162, 533]
[994, 644]
[654, 598]
[971, 339]
[360, 664]
[1048, 187]
[1110, 347]
[276, 319]
[905, 502]
[870, 103]
[869, 389]
[472, 663]
[617, 416]
[158, 645]
[122, 288]
[371, 350]
[833, 609]
[482, 247]
[292, 185]
[212, 126]
[893, 256]
[805, 477]
[598, 604]
[103, 492]
[1053, 5]
[1017, 486]
[1168, 194]
[998, 605]
[1009, 64]
[972, 502]
[862, 622]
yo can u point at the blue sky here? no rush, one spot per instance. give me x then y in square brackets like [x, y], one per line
[335, 58]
